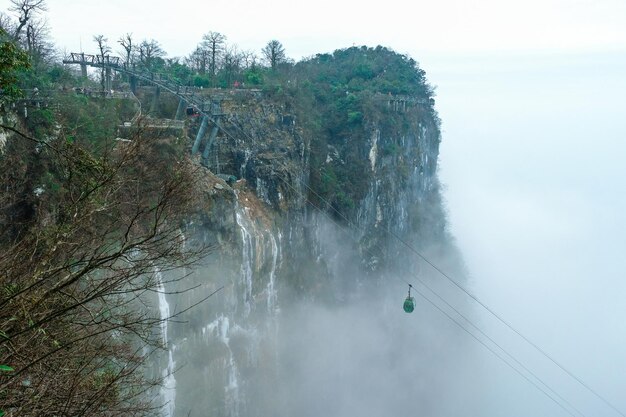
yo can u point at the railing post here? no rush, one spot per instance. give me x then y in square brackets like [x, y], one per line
[203, 126]
[216, 109]
[83, 65]
[109, 82]
[132, 80]
[181, 108]
[154, 107]
[207, 147]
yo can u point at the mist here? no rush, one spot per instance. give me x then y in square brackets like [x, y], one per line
[532, 166]
[532, 161]
[355, 351]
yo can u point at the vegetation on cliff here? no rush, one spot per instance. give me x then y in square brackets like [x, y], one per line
[82, 235]
[85, 221]
[12, 61]
[87, 218]
[344, 95]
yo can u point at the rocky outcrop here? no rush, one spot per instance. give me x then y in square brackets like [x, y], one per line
[277, 241]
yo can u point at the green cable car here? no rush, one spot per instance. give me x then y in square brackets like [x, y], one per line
[409, 302]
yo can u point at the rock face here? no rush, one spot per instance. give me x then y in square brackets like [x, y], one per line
[280, 244]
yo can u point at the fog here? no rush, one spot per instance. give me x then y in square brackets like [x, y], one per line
[532, 160]
[533, 163]
[370, 360]
[358, 353]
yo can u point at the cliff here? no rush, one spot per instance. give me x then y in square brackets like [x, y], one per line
[317, 195]
[330, 174]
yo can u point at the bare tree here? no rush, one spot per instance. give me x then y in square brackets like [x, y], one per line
[76, 270]
[25, 10]
[103, 51]
[6, 23]
[127, 43]
[82, 233]
[231, 64]
[38, 43]
[149, 51]
[198, 60]
[248, 59]
[274, 53]
[214, 43]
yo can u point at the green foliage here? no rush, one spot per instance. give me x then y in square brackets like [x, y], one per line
[178, 72]
[201, 81]
[390, 149]
[253, 76]
[337, 96]
[6, 368]
[378, 70]
[40, 121]
[46, 78]
[355, 117]
[12, 61]
[50, 182]
[328, 183]
[92, 119]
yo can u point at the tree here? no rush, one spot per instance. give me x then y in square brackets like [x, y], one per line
[12, 61]
[103, 51]
[6, 23]
[127, 43]
[213, 42]
[198, 59]
[27, 30]
[84, 226]
[25, 10]
[178, 71]
[274, 53]
[71, 324]
[248, 59]
[37, 42]
[231, 65]
[149, 52]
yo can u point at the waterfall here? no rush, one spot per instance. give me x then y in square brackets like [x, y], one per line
[168, 388]
[247, 257]
[262, 191]
[224, 351]
[259, 247]
[272, 296]
[244, 164]
[220, 328]
[232, 389]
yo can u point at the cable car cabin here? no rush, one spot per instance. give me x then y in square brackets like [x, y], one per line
[192, 111]
[409, 304]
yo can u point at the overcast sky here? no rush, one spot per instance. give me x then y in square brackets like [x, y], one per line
[531, 94]
[533, 158]
[309, 27]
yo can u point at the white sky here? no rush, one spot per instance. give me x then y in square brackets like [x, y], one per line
[305, 28]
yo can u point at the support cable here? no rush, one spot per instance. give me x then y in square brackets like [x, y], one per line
[441, 272]
[504, 360]
[483, 305]
[346, 230]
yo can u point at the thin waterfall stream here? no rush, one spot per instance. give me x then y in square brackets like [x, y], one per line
[168, 389]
